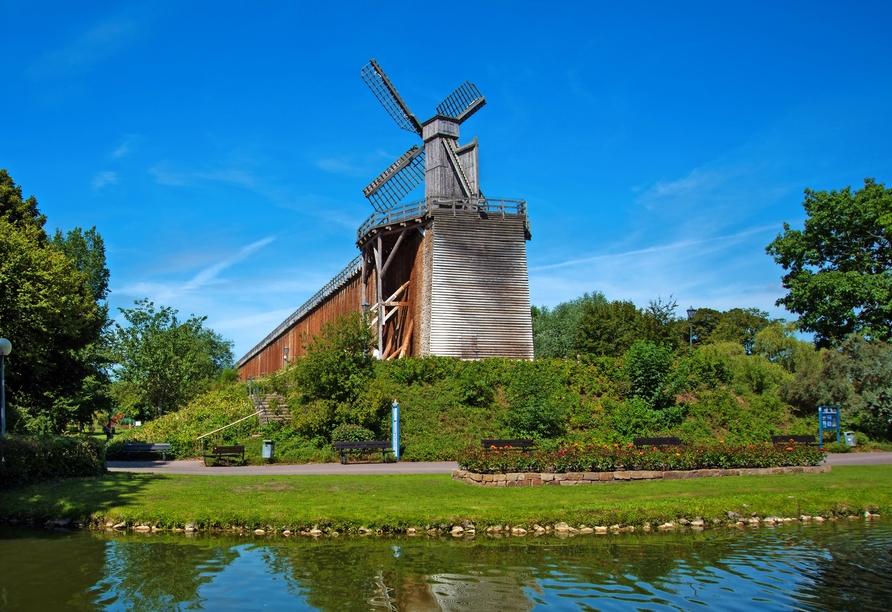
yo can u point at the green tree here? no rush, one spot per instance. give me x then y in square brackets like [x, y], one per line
[16, 210]
[50, 315]
[609, 328]
[839, 267]
[554, 331]
[739, 325]
[161, 362]
[331, 377]
[660, 326]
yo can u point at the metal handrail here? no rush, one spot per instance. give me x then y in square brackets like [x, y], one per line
[257, 414]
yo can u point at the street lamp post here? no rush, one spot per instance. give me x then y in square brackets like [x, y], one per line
[5, 349]
[691, 312]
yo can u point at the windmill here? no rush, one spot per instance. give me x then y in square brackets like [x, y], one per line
[449, 170]
[446, 276]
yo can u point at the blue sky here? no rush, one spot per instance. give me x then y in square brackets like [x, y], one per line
[221, 147]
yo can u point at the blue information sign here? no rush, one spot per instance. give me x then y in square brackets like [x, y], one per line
[828, 420]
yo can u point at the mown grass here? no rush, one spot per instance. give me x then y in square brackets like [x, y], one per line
[397, 502]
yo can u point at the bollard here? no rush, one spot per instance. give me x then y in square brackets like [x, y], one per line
[395, 428]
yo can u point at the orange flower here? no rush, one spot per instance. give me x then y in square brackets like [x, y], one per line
[576, 444]
[617, 444]
[492, 446]
[721, 441]
[789, 448]
[678, 454]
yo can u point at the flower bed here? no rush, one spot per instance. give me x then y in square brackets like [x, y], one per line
[616, 458]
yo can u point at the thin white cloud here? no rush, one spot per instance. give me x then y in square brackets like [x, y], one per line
[723, 243]
[103, 179]
[86, 51]
[124, 149]
[340, 166]
[165, 291]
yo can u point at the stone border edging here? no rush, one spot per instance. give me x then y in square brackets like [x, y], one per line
[537, 479]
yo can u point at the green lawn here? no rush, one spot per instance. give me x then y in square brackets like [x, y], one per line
[396, 502]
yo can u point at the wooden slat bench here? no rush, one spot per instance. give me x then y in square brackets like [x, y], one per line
[226, 453]
[671, 441]
[520, 444]
[809, 440]
[147, 447]
[382, 446]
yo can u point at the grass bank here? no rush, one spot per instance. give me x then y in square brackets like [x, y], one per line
[395, 503]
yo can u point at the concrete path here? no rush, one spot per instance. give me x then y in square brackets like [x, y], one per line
[859, 459]
[198, 468]
[400, 467]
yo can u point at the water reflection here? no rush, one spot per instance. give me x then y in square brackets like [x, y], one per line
[839, 566]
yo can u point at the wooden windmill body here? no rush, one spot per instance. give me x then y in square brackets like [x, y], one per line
[468, 287]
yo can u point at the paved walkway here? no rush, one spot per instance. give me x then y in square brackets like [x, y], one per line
[400, 467]
[198, 468]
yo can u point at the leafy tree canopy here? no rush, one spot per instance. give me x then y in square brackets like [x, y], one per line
[15, 209]
[839, 267]
[51, 317]
[162, 362]
[554, 330]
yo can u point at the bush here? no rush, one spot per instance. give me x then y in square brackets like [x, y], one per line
[31, 460]
[617, 457]
[351, 433]
[207, 412]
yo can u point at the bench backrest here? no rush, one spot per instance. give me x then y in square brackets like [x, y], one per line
[218, 450]
[656, 441]
[519, 443]
[800, 439]
[146, 446]
[365, 445]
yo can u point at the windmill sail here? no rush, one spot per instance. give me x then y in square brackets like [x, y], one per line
[404, 175]
[389, 98]
[462, 103]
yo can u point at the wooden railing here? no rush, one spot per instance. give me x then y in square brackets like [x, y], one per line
[422, 208]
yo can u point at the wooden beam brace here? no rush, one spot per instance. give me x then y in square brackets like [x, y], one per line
[393, 251]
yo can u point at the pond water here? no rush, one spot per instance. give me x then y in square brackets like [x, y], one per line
[844, 565]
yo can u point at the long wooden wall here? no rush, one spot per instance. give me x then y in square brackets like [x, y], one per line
[269, 356]
[479, 287]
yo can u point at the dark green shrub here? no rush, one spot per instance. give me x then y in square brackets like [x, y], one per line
[351, 433]
[31, 460]
[538, 401]
[648, 368]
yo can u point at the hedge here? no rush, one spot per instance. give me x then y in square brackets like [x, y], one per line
[616, 457]
[28, 460]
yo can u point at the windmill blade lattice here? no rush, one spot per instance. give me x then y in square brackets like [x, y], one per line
[389, 98]
[459, 100]
[395, 183]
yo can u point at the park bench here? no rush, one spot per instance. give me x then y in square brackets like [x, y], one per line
[146, 447]
[225, 452]
[671, 441]
[809, 440]
[520, 444]
[369, 446]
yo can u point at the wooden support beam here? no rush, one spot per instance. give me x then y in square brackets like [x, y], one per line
[379, 298]
[393, 251]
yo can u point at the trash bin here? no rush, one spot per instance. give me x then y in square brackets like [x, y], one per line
[269, 448]
[850, 438]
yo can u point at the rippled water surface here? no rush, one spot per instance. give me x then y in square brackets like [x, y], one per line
[845, 565]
